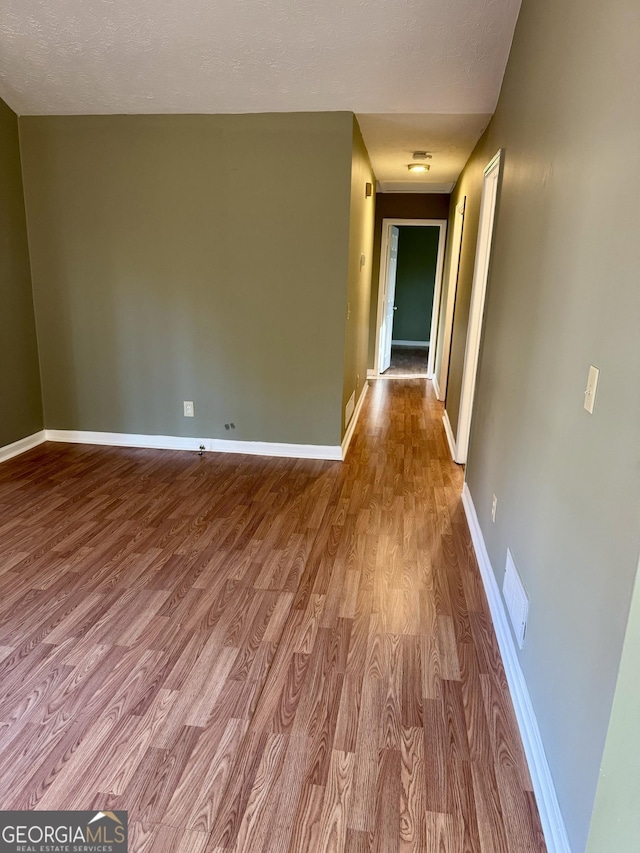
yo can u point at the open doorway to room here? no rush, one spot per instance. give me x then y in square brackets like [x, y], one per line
[411, 262]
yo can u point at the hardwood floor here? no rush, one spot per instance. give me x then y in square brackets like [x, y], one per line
[254, 654]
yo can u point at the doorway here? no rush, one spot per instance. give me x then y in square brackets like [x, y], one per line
[411, 266]
[486, 223]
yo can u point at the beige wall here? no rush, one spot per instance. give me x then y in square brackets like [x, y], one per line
[20, 394]
[194, 258]
[615, 824]
[359, 278]
[397, 206]
[563, 293]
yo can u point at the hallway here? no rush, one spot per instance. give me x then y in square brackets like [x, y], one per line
[407, 361]
[258, 654]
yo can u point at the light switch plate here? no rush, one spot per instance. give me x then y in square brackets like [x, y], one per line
[590, 393]
[189, 411]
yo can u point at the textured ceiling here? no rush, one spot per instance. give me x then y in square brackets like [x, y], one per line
[371, 57]
[217, 56]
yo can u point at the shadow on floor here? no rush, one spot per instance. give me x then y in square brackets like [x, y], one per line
[408, 360]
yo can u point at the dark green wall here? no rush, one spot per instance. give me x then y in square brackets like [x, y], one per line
[198, 258]
[563, 293]
[20, 394]
[415, 282]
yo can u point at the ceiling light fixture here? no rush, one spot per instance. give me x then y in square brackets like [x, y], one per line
[418, 167]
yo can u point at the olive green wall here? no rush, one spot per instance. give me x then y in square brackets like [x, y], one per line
[398, 206]
[563, 293]
[20, 394]
[415, 282]
[194, 258]
[362, 212]
[615, 824]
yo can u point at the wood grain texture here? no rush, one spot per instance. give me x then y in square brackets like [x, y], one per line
[259, 655]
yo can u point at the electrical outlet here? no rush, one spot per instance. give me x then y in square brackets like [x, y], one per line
[189, 411]
[494, 506]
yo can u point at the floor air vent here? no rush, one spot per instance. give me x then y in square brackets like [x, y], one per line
[516, 599]
[348, 409]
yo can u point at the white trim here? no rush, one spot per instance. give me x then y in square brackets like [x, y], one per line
[436, 387]
[414, 344]
[449, 434]
[387, 222]
[371, 374]
[382, 291]
[346, 441]
[488, 205]
[217, 445]
[437, 295]
[446, 310]
[21, 446]
[555, 832]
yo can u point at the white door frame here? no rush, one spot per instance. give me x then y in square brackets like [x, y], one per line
[382, 286]
[486, 223]
[447, 309]
[385, 338]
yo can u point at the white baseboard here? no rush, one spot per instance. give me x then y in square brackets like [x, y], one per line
[415, 344]
[346, 441]
[436, 387]
[218, 445]
[555, 832]
[21, 446]
[372, 374]
[449, 434]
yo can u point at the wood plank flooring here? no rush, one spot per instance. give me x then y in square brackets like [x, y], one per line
[254, 654]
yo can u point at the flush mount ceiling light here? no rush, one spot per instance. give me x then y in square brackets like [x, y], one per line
[418, 167]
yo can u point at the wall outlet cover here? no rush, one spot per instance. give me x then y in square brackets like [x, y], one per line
[590, 393]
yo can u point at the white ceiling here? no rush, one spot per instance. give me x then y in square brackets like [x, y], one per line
[391, 140]
[234, 56]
